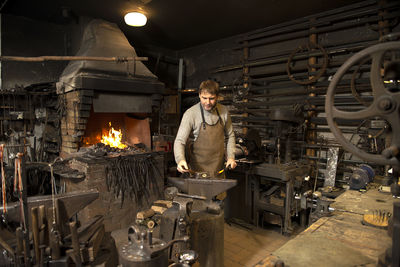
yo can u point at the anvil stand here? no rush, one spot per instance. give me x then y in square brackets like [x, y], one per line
[206, 217]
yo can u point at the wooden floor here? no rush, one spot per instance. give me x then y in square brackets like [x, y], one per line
[244, 248]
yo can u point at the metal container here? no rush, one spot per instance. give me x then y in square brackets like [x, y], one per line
[142, 250]
[132, 254]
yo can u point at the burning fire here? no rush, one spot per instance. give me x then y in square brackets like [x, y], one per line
[113, 139]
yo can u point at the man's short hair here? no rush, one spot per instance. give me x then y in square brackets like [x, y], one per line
[210, 87]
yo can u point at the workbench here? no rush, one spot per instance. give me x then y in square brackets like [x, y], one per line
[340, 239]
[257, 183]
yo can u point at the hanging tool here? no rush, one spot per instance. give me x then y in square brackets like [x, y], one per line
[54, 232]
[71, 202]
[35, 231]
[18, 186]
[7, 247]
[42, 223]
[20, 245]
[20, 178]
[3, 180]
[75, 244]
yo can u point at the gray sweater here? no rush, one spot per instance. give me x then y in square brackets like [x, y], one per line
[191, 123]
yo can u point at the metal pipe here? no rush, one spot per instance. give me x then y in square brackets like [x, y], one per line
[305, 20]
[299, 70]
[180, 85]
[305, 33]
[318, 22]
[341, 46]
[1, 76]
[300, 90]
[283, 57]
[71, 58]
[25, 210]
[339, 121]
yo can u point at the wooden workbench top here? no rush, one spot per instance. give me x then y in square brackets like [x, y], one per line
[341, 239]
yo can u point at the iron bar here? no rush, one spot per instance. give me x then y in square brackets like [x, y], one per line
[71, 58]
[305, 33]
[306, 20]
[339, 121]
[283, 57]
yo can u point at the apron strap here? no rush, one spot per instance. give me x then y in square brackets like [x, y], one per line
[202, 116]
[204, 121]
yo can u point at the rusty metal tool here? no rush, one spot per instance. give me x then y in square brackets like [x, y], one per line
[35, 232]
[42, 222]
[191, 196]
[71, 203]
[86, 231]
[171, 192]
[20, 244]
[7, 247]
[54, 236]
[75, 244]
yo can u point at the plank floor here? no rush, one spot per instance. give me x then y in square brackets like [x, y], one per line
[245, 248]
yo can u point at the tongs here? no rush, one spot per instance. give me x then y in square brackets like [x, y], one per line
[224, 169]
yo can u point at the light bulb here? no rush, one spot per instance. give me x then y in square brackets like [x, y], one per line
[135, 19]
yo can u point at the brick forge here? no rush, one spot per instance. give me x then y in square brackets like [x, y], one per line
[91, 91]
[107, 205]
[76, 106]
[77, 119]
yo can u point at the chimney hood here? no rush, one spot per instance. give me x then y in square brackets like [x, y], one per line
[104, 39]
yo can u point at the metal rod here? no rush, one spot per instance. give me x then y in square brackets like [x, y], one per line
[75, 243]
[283, 57]
[320, 21]
[305, 33]
[35, 231]
[305, 20]
[180, 86]
[25, 211]
[70, 58]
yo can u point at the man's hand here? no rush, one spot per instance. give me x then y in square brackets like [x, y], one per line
[182, 166]
[230, 164]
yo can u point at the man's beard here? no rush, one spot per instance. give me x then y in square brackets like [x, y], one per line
[209, 107]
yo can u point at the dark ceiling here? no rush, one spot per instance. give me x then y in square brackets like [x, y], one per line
[178, 24]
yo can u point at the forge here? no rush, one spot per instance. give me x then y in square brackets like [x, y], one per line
[105, 127]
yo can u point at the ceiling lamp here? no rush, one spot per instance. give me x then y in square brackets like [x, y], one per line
[136, 19]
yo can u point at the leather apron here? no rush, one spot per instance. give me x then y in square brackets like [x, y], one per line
[208, 151]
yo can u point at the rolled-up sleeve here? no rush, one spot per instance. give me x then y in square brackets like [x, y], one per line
[182, 136]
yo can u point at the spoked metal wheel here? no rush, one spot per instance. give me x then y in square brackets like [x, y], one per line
[385, 104]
